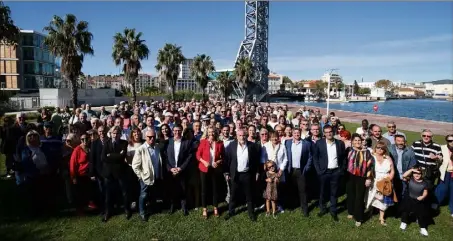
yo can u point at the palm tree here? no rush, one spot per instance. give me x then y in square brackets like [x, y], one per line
[168, 60]
[320, 88]
[201, 67]
[225, 84]
[10, 33]
[70, 40]
[243, 70]
[129, 50]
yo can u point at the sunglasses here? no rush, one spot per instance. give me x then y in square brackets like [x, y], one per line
[151, 137]
[449, 140]
[379, 148]
[391, 126]
[427, 136]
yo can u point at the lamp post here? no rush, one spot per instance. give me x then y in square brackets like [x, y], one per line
[328, 89]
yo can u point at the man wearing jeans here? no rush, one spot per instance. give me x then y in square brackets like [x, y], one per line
[147, 165]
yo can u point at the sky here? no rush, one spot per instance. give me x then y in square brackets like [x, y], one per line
[400, 41]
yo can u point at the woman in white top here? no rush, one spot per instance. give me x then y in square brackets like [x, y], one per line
[275, 151]
[135, 141]
[383, 168]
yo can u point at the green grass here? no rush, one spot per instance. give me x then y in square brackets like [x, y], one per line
[289, 226]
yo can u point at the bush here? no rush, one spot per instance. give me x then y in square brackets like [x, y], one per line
[29, 116]
[184, 95]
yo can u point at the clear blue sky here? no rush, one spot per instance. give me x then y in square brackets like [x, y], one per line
[408, 41]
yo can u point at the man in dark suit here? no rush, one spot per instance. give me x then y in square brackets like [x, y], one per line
[95, 163]
[114, 168]
[179, 154]
[300, 160]
[329, 156]
[241, 166]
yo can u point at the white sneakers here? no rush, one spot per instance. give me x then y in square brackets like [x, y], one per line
[423, 231]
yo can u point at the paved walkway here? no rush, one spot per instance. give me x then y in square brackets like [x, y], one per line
[402, 123]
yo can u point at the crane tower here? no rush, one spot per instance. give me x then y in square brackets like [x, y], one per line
[255, 47]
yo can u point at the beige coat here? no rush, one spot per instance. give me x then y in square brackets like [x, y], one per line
[141, 164]
[446, 165]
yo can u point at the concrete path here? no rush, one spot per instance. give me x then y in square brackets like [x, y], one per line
[402, 123]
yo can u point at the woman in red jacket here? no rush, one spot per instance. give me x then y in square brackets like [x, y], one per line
[210, 154]
[79, 171]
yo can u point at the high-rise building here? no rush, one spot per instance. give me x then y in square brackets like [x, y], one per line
[29, 65]
[37, 63]
[185, 82]
[9, 72]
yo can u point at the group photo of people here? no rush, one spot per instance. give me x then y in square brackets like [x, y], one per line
[217, 159]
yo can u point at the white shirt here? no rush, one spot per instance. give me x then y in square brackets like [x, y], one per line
[242, 158]
[177, 146]
[211, 154]
[155, 162]
[332, 155]
[276, 154]
[296, 154]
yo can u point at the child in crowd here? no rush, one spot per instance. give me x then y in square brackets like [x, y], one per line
[415, 202]
[271, 194]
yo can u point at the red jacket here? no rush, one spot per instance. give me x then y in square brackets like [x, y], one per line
[203, 152]
[78, 165]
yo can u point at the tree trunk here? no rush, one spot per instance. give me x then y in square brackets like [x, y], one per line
[74, 90]
[203, 96]
[173, 93]
[225, 95]
[134, 93]
[245, 95]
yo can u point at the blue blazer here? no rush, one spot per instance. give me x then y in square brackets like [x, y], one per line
[306, 158]
[320, 158]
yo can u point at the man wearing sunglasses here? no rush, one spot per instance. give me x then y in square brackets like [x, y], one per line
[147, 165]
[392, 132]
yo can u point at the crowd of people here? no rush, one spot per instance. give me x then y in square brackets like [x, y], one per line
[154, 156]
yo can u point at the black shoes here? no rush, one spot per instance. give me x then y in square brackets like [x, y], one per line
[185, 212]
[172, 209]
[252, 217]
[144, 218]
[105, 218]
[334, 217]
[322, 213]
[128, 215]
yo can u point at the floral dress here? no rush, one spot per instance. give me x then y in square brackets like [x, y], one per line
[271, 189]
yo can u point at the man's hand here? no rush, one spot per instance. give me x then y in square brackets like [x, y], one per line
[368, 183]
[432, 156]
[93, 178]
[74, 181]
[268, 180]
[420, 198]
[215, 165]
[227, 177]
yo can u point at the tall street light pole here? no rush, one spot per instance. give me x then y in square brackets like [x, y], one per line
[328, 88]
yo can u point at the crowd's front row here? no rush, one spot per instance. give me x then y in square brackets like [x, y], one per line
[267, 174]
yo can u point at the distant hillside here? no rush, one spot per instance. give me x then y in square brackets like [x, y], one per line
[442, 82]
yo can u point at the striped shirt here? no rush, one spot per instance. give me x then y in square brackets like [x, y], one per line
[423, 151]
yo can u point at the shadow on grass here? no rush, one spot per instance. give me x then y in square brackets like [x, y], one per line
[18, 217]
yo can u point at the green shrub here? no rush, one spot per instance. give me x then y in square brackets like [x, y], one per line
[29, 116]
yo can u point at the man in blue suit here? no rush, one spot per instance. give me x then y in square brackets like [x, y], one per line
[299, 162]
[329, 156]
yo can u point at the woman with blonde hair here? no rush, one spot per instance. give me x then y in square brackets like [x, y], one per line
[384, 171]
[135, 141]
[210, 155]
[275, 151]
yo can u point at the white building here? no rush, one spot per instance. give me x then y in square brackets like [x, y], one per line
[145, 81]
[440, 88]
[369, 85]
[274, 82]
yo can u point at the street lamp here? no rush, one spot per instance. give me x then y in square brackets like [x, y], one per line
[328, 89]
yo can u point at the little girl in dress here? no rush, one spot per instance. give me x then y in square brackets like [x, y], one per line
[271, 194]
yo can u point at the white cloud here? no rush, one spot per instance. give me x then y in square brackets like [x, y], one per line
[409, 43]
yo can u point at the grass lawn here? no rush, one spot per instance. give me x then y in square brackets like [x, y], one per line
[289, 226]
